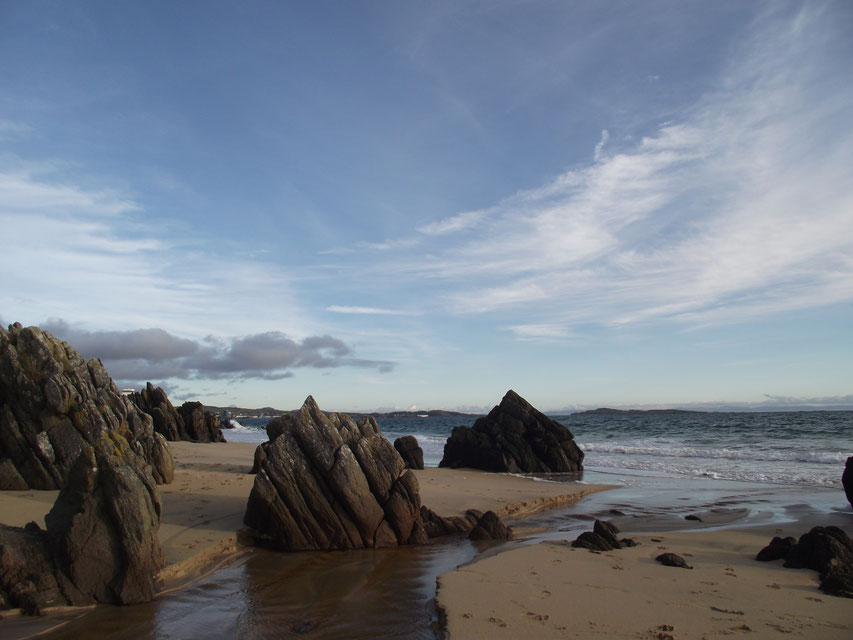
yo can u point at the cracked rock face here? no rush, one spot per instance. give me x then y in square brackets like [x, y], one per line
[188, 422]
[327, 482]
[53, 404]
[514, 438]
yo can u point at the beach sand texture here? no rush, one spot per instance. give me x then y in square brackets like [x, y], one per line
[550, 590]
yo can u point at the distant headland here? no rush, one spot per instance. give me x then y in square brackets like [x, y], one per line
[606, 411]
[269, 412]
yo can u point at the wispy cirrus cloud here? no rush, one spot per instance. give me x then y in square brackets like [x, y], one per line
[369, 311]
[740, 207]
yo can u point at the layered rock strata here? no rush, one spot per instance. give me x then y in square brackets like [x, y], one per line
[188, 422]
[327, 482]
[53, 404]
[516, 438]
[410, 451]
[100, 544]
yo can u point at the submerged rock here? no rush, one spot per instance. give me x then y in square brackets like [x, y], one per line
[53, 404]
[326, 482]
[410, 451]
[514, 438]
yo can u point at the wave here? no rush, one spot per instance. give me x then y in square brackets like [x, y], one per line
[674, 451]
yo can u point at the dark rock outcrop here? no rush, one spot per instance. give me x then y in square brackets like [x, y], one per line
[514, 438]
[101, 539]
[410, 451]
[777, 549]
[847, 480]
[673, 560]
[326, 482]
[53, 404]
[602, 538]
[200, 425]
[827, 550]
[437, 526]
[490, 527]
[154, 401]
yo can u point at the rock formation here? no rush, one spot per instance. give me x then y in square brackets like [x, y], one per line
[410, 451]
[490, 527]
[847, 480]
[602, 538]
[101, 539]
[325, 482]
[673, 560]
[189, 422]
[53, 403]
[514, 438]
[200, 425]
[827, 550]
[437, 526]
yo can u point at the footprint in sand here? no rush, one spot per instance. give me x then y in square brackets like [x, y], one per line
[498, 622]
[538, 616]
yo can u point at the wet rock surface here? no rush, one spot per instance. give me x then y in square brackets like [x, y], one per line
[847, 480]
[53, 404]
[326, 482]
[490, 527]
[602, 538]
[516, 438]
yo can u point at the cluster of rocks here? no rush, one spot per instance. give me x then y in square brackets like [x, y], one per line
[827, 550]
[602, 538]
[516, 438]
[53, 404]
[188, 422]
[64, 424]
[327, 482]
[475, 523]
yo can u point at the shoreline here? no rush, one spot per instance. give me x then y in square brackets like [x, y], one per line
[204, 506]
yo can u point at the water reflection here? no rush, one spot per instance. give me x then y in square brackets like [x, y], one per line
[367, 594]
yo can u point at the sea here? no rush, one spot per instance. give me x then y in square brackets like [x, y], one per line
[722, 469]
[799, 448]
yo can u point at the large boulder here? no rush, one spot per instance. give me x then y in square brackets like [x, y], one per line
[327, 482]
[53, 404]
[514, 438]
[200, 425]
[101, 539]
[410, 451]
[847, 480]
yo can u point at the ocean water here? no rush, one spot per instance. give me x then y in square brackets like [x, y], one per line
[796, 448]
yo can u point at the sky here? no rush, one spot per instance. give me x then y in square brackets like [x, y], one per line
[397, 205]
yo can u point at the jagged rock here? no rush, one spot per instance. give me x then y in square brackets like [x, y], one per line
[827, 550]
[673, 560]
[437, 526]
[410, 451]
[101, 539]
[490, 527]
[326, 482]
[602, 538]
[847, 480]
[777, 549]
[154, 401]
[53, 403]
[514, 438]
[200, 425]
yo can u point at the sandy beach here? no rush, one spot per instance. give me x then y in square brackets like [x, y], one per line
[520, 590]
[550, 590]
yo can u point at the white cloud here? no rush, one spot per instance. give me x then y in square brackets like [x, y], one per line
[742, 206]
[453, 224]
[367, 311]
[599, 148]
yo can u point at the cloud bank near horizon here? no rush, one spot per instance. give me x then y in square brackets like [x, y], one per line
[137, 356]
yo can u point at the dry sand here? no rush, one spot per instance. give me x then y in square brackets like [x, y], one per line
[550, 590]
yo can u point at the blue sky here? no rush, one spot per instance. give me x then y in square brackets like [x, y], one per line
[390, 205]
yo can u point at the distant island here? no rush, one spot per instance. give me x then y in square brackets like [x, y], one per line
[606, 411]
[269, 412]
